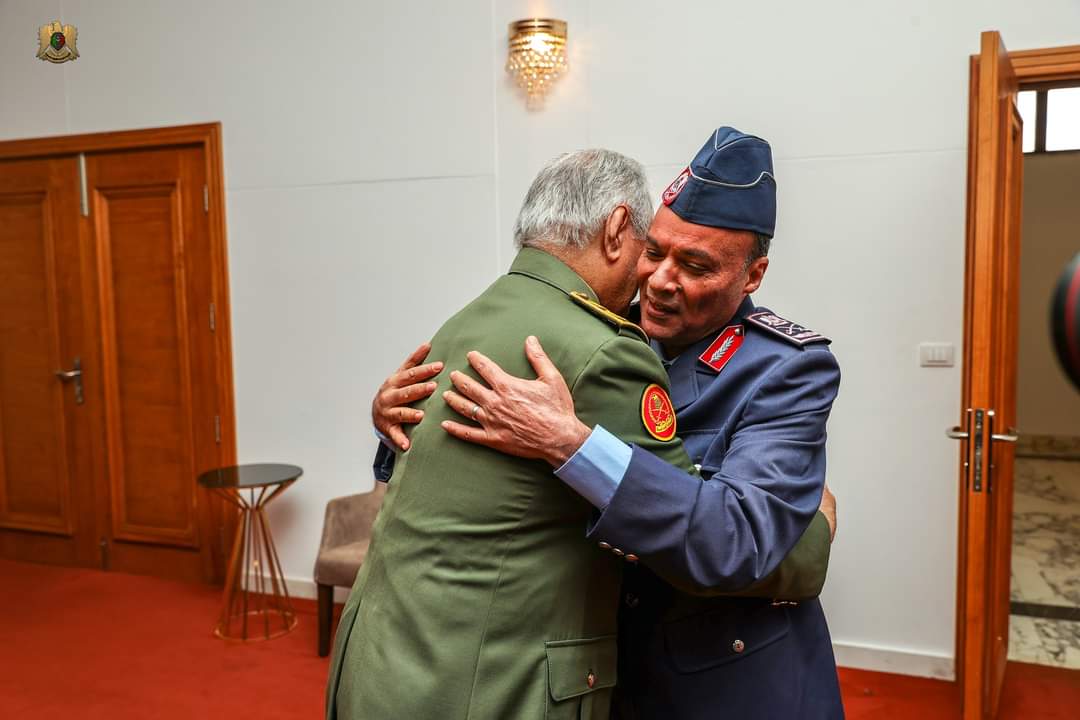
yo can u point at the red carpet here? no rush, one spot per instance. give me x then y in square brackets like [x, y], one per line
[87, 644]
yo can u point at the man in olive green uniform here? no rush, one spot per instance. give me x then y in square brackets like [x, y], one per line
[480, 596]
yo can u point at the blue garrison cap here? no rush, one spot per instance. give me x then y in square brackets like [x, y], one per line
[729, 184]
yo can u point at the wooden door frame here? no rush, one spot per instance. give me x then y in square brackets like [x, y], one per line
[208, 137]
[1045, 65]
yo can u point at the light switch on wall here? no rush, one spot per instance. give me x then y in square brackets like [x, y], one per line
[937, 354]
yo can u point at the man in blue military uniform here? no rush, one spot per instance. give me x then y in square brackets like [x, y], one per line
[752, 392]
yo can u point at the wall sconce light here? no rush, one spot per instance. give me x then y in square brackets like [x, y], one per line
[537, 56]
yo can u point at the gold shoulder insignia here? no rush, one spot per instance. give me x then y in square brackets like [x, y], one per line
[603, 313]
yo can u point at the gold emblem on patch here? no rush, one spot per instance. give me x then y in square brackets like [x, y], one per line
[657, 413]
[56, 43]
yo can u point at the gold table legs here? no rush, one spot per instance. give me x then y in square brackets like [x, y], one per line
[256, 602]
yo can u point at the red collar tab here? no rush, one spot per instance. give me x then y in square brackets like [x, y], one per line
[723, 348]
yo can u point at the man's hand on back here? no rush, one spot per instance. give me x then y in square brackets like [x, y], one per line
[526, 418]
[389, 409]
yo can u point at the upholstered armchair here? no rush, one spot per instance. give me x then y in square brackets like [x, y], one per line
[345, 538]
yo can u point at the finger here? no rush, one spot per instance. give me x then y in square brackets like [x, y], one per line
[472, 389]
[416, 356]
[416, 374]
[397, 436]
[406, 415]
[488, 369]
[468, 433]
[410, 393]
[545, 369]
[461, 405]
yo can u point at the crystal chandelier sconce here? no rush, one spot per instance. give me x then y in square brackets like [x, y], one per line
[537, 56]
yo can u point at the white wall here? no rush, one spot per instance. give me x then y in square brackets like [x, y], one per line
[367, 143]
[866, 108]
[1046, 403]
[359, 156]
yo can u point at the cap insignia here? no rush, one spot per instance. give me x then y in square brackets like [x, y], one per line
[676, 187]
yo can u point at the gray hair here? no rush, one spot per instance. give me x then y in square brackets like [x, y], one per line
[573, 195]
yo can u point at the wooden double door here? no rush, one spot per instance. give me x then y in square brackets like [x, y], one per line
[115, 375]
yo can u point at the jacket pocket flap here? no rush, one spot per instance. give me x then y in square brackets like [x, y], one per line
[723, 635]
[576, 667]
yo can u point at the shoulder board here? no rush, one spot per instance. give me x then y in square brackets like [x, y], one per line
[603, 313]
[792, 332]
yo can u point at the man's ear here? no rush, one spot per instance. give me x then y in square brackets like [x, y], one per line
[614, 227]
[755, 274]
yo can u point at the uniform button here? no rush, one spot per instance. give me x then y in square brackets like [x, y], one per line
[738, 646]
[632, 600]
[590, 679]
[631, 557]
[604, 545]
[618, 552]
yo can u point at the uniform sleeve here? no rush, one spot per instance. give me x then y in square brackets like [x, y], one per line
[385, 456]
[732, 531]
[609, 392]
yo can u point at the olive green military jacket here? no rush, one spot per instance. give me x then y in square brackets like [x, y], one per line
[480, 597]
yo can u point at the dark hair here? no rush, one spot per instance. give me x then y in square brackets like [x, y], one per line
[760, 248]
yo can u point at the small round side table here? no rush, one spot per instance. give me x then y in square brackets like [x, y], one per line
[256, 603]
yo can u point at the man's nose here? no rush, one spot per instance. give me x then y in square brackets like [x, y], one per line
[662, 281]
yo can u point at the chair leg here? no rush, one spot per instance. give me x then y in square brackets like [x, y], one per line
[326, 617]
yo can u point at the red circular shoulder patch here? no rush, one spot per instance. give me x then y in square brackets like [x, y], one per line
[657, 413]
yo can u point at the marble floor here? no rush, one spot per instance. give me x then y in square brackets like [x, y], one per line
[1046, 561]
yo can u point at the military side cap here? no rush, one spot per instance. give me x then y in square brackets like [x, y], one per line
[729, 184]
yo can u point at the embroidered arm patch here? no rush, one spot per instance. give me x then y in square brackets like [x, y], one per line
[657, 414]
[792, 332]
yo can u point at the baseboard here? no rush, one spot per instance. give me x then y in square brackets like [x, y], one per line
[893, 660]
[303, 588]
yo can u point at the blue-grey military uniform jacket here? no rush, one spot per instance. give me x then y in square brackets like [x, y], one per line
[757, 428]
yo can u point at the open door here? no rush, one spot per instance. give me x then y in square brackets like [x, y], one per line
[988, 409]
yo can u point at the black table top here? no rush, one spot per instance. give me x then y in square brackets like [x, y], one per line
[249, 476]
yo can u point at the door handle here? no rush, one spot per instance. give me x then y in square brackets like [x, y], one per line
[73, 375]
[957, 433]
[1010, 436]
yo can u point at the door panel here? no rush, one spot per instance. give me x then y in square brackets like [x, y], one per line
[46, 502]
[989, 394]
[144, 343]
[153, 297]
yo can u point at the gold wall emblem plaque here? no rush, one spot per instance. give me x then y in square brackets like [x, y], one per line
[56, 43]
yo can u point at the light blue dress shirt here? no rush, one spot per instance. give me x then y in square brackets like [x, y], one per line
[597, 468]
